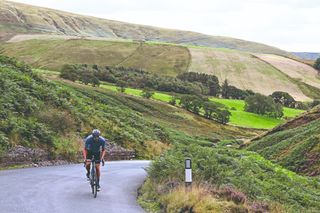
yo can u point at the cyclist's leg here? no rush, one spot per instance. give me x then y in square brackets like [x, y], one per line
[88, 162]
[97, 156]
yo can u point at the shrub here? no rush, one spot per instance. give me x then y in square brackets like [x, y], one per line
[59, 121]
[146, 93]
[67, 148]
[173, 101]
[234, 195]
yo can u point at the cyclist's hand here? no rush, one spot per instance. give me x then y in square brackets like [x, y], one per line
[102, 162]
[84, 163]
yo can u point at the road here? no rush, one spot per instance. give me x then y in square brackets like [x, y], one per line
[65, 189]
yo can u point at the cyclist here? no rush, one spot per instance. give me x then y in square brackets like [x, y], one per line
[94, 145]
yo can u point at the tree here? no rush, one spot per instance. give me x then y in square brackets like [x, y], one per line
[283, 98]
[192, 103]
[263, 105]
[146, 93]
[121, 86]
[225, 89]
[95, 81]
[214, 87]
[317, 65]
[69, 72]
[186, 101]
[196, 105]
[222, 116]
[209, 108]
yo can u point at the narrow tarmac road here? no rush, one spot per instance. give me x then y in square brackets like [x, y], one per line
[65, 189]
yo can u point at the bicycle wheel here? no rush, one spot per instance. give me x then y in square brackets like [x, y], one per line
[95, 191]
[94, 180]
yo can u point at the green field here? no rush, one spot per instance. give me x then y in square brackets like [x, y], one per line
[238, 116]
[246, 119]
[137, 92]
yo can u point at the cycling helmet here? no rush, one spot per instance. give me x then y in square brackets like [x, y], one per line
[96, 132]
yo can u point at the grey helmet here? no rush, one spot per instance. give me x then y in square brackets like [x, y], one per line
[96, 133]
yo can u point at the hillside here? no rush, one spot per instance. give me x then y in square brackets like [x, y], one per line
[294, 145]
[54, 116]
[244, 71]
[16, 18]
[293, 69]
[226, 180]
[307, 55]
[53, 54]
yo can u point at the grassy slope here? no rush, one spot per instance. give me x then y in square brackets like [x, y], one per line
[162, 59]
[303, 75]
[244, 71]
[238, 116]
[294, 69]
[21, 18]
[295, 145]
[262, 182]
[32, 105]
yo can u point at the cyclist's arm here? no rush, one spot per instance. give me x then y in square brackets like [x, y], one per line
[102, 154]
[85, 153]
[103, 147]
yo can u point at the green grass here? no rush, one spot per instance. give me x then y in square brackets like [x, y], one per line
[238, 116]
[259, 179]
[137, 92]
[295, 146]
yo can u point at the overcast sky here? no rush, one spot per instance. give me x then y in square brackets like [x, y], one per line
[292, 25]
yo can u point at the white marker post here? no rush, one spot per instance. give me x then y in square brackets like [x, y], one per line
[188, 173]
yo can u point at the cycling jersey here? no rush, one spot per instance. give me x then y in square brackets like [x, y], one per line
[94, 145]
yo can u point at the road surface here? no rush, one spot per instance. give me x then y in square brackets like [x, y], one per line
[65, 189]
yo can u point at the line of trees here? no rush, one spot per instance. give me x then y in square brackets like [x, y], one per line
[129, 77]
[186, 83]
[209, 81]
[211, 110]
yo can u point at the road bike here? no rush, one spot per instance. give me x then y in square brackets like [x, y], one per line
[93, 178]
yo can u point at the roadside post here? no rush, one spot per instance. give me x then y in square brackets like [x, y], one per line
[188, 173]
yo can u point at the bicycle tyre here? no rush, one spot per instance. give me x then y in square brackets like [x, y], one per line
[94, 180]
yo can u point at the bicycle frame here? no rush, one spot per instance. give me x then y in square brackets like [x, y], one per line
[93, 177]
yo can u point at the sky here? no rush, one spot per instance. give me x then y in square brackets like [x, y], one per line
[292, 25]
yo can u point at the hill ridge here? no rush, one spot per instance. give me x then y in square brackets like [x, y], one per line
[66, 23]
